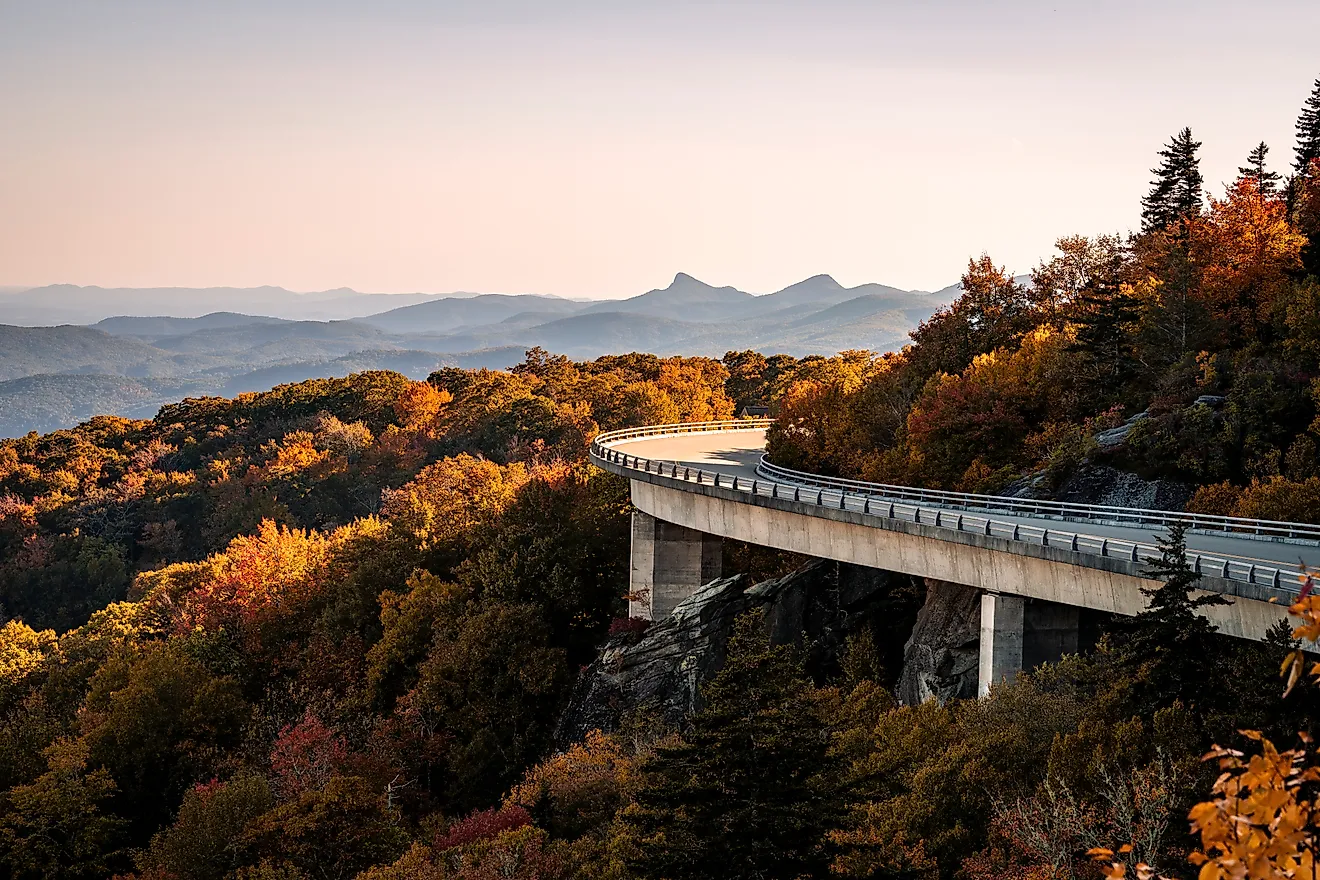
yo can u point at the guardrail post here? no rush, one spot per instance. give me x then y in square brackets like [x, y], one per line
[958, 524]
[717, 479]
[1072, 545]
[1104, 546]
[686, 473]
[1225, 569]
[1275, 582]
[916, 516]
[866, 504]
[735, 482]
[774, 490]
[1015, 533]
[1196, 565]
[842, 498]
[1134, 552]
[820, 497]
[891, 510]
[1045, 538]
[987, 525]
[797, 493]
[753, 487]
[937, 517]
[1251, 571]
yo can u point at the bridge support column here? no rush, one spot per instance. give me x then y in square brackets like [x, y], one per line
[669, 563]
[1018, 633]
[1001, 640]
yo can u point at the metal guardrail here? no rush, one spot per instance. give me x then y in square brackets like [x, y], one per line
[1236, 525]
[893, 502]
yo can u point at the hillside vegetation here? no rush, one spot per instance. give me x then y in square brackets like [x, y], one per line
[325, 631]
[1199, 338]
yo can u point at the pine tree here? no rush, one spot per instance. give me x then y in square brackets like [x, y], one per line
[1169, 649]
[1106, 315]
[1176, 191]
[1267, 182]
[1308, 133]
[746, 791]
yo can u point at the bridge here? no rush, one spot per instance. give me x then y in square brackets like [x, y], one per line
[1035, 562]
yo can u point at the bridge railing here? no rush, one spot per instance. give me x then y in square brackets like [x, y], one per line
[651, 432]
[1063, 510]
[929, 507]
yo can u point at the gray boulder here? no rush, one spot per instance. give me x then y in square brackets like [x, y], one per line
[1115, 437]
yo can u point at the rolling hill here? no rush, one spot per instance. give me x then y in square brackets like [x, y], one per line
[179, 344]
[451, 314]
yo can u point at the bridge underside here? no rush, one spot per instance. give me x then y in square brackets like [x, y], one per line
[1029, 602]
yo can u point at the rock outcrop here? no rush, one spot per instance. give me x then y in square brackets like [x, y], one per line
[1094, 483]
[941, 656]
[1113, 438]
[1101, 484]
[662, 670]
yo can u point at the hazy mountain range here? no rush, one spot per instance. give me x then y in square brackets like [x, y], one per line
[141, 348]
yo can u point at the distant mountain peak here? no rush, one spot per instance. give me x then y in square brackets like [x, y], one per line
[825, 278]
[683, 279]
[822, 282]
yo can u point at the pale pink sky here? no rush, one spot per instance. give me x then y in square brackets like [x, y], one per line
[596, 147]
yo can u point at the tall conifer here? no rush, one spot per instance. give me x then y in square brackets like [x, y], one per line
[745, 791]
[1176, 191]
[1308, 133]
[1266, 181]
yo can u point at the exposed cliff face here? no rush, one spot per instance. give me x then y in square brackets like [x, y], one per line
[1102, 484]
[941, 656]
[819, 605]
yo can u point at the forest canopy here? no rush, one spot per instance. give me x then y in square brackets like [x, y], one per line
[325, 631]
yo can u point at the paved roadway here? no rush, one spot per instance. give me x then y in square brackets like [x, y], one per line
[736, 453]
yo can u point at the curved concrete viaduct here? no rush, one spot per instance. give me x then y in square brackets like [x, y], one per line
[694, 485]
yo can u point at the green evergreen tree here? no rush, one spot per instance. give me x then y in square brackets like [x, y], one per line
[1266, 181]
[1106, 315]
[746, 792]
[1169, 649]
[1176, 191]
[1308, 132]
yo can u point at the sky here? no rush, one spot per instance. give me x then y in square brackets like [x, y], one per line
[594, 148]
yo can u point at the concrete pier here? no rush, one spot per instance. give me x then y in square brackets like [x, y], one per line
[1001, 640]
[1018, 633]
[669, 562]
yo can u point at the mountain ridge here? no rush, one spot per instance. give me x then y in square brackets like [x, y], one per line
[124, 363]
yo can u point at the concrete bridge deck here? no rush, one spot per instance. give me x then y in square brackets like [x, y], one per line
[737, 453]
[1049, 565]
